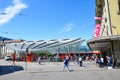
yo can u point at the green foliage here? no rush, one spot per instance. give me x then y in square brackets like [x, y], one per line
[49, 54]
[41, 53]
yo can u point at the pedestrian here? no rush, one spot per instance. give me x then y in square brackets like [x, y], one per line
[66, 63]
[101, 61]
[114, 60]
[13, 59]
[109, 62]
[39, 60]
[80, 61]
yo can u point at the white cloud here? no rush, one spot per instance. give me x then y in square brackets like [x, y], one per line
[9, 12]
[67, 28]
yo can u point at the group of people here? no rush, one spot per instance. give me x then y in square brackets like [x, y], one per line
[108, 61]
[102, 61]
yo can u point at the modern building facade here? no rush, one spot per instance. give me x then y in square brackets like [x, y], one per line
[106, 37]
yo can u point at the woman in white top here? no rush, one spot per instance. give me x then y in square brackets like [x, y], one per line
[80, 60]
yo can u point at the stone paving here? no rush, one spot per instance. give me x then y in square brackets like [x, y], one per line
[58, 66]
[53, 71]
[54, 66]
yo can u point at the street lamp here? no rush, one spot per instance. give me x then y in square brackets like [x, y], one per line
[26, 58]
[3, 46]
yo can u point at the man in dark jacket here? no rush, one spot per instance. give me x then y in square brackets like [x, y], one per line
[66, 63]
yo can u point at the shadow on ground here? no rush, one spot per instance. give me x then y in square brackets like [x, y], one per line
[9, 69]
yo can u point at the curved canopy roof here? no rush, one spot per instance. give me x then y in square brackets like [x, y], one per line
[38, 45]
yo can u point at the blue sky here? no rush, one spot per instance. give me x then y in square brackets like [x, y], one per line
[47, 19]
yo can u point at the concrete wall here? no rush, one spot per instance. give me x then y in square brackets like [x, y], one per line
[116, 45]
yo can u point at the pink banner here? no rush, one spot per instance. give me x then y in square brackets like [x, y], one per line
[98, 18]
[97, 25]
[97, 30]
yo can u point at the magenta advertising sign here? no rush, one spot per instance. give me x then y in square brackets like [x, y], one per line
[97, 30]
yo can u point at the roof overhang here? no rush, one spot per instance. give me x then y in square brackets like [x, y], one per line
[101, 42]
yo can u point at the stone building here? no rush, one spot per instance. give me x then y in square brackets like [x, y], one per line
[106, 35]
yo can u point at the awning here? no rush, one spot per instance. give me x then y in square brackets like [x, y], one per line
[96, 52]
[101, 42]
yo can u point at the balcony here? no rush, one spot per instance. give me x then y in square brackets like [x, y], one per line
[98, 10]
[98, 2]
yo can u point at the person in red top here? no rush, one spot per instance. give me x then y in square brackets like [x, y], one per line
[13, 59]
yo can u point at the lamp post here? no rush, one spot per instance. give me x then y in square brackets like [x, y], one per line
[3, 46]
[26, 58]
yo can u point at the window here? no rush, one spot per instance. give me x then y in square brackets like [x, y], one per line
[105, 19]
[119, 7]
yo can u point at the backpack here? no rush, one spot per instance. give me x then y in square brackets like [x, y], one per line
[66, 61]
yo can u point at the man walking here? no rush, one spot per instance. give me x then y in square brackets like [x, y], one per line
[80, 60]
[66, 63]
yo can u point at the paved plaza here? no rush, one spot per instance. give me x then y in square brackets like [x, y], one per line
[53, 71]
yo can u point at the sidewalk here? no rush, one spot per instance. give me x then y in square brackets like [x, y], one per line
[34, 67]
[58, 66]
[53, 71]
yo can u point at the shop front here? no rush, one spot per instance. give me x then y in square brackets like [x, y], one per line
[108, 46]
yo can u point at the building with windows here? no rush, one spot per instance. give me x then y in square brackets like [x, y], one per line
[106, 35]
